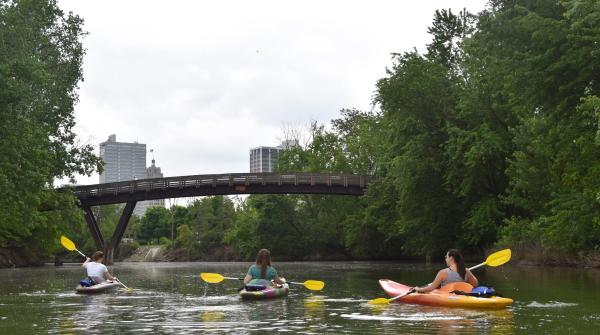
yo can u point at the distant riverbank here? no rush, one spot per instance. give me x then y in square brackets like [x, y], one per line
[520, 257]
[534, 256]
[19, 257]
[22, 257]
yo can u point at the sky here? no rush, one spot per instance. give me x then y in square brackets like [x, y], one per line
[201, 82]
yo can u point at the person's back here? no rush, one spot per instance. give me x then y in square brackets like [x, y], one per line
[452, 277]
[452, 274]
[255, 272]
[262, 269]
[95, 269]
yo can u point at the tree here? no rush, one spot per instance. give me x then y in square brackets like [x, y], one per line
[40, 68]
[210, 218]
[154, 224]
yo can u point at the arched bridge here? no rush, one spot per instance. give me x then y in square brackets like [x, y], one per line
[130, 192]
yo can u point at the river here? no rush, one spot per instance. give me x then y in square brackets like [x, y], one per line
[170, 298]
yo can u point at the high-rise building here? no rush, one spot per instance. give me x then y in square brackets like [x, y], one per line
[152, 171]
[264, 159]
[123, 162]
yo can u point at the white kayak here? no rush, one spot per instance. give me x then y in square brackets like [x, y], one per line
[98, 288]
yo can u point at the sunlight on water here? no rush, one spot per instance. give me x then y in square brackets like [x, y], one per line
[551, 304]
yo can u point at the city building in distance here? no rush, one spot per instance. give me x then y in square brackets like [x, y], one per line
[122, 161]
[264, 159]
[152, 171]
[127, 161]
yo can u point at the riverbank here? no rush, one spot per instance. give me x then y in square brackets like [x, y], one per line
[19, 257]
[521, 256]
[536, 256]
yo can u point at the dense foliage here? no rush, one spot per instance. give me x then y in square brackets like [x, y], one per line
[40, 67]
[489, 136]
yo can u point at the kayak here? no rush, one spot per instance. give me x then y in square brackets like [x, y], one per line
[98, 288]
[269, 292]
[443, 297]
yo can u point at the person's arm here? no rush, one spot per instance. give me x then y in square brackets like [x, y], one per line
[108, 275]
[87, 260]
[471, 279]
[276, 279]
[439, 278]
[249, 276]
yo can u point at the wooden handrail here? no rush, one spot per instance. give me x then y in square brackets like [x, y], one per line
[232, 179]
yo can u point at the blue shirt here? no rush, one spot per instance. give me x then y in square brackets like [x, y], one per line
[254, 271]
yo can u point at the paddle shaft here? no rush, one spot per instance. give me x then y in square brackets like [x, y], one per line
[477, 266]
[294, 282]
[84, 256]
[402, 295]
[125, 286]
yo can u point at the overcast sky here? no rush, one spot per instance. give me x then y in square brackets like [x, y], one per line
[201, 82]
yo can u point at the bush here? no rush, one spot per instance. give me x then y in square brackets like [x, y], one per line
[126, 249]
[165, 242]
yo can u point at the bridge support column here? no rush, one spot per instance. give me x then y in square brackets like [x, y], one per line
[115, 240]
[93, 227]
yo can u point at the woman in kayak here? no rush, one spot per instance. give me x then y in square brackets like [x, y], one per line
[263, 269]
[97, 271]
[455, 272]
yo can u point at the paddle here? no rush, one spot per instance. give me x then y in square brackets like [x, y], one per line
[383, 301]
[69, 245]
[496, 259]
[125, 286]
[214, 278]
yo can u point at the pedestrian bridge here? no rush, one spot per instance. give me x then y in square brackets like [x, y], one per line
[130, 192]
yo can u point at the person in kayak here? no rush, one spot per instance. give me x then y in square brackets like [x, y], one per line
[97, 271]
[262, 269]
[455, 272]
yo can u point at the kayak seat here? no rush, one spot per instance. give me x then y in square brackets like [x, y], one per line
[459, 286]
[257, 285]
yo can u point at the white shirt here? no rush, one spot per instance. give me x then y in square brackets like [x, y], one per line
[96, 271]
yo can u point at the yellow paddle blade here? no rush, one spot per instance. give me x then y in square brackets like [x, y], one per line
[314, 285]
[212, 278]
[379, 301]
[498, 258]
[68, 244]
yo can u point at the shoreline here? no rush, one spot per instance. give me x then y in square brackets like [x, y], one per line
[521, 257]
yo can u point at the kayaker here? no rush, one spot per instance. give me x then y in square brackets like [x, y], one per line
[262, 269]
[455, 272]
[97, 271]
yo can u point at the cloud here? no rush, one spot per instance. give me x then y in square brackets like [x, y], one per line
[202, 82]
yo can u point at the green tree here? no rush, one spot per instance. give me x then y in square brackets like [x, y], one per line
[154, 224]
[210, 219]
[180, 215]
[40, 67]
[185, 238]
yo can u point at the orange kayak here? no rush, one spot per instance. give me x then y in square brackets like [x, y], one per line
[443, 297]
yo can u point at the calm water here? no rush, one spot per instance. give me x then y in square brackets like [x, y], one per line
[169, 298]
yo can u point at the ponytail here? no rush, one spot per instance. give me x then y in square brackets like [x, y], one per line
[460, 262]
[263, 258]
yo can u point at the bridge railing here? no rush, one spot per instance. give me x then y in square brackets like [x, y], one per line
[235, 179]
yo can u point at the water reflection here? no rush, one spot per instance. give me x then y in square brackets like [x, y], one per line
[170, 300]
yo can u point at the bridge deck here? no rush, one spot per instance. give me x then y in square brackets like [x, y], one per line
[130, 192]
[236, 183]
